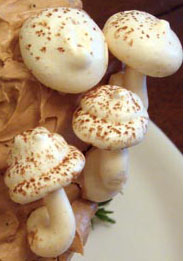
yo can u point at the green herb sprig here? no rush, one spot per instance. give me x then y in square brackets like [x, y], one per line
[103, 214]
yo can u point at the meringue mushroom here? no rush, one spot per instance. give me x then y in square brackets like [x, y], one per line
[146, 44]
[40, 165]
[65, 49]
[104, 174]
[110, 118]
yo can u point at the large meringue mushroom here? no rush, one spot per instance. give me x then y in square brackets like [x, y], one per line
[40, 165]
[146, 44]
[65, 49]
[112, 119]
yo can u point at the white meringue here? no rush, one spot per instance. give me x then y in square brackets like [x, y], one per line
[110, 117]
[104, 174]
[40, 162]
[51, 229]
[145, 43]
[65, 49]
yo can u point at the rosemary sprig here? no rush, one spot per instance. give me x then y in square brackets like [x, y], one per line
[103, 214]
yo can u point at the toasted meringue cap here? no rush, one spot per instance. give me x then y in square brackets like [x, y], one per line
[65, 49]
[40, 162]
[144, 42]
[110, 117]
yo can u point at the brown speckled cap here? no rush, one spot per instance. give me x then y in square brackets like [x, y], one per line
[65, 49]
[40, 162]
[144, 42]
[110, 117]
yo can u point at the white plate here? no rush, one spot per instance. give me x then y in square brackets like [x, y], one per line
[149, 215]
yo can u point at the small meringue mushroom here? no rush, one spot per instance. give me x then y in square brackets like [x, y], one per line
[41, 164]
[64, 49]
[146, 44]
[105, 174]
[112, 119]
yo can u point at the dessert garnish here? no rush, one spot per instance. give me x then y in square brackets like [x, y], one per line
[40, 165]
[111, 119]
[146, 44]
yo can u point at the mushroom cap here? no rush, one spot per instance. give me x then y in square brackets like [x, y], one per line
[65, 49]
[40, 162]
[110, 117]
[144, 42]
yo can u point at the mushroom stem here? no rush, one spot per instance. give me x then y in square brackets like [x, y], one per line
[105, 173]
[133, 81]
[136, 82]
[117, 79]
[51, 229]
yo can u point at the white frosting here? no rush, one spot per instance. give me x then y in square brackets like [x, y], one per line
[40, 162]
[144, 42]
[65, 49]
[110, 117]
